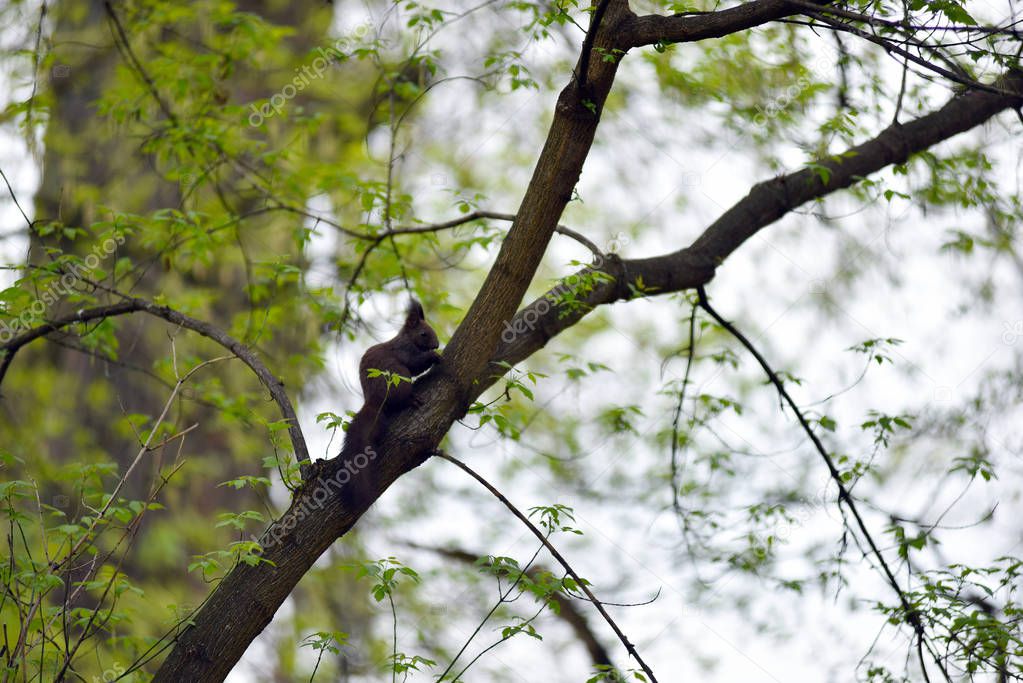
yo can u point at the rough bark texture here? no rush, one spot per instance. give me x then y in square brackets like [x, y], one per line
[652, 28]
[246, 600]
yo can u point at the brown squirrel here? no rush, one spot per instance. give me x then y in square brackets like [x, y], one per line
[385, 372]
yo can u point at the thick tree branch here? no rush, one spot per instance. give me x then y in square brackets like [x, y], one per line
[650, 29]
[249, 596]
[554, 178]
[770, 200]
[537, 323]
[615, 30]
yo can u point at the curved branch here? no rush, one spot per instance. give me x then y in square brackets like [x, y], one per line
[132, 305]
[912, 615]
[374, 242]
[560, 229]
[376, 238]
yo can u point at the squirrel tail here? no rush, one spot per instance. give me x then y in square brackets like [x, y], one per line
[359, 440]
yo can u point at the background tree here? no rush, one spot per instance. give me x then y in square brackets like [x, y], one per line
[859, 98]
[227, 55]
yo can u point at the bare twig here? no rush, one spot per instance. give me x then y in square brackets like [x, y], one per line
[675, 470]
[557, 556]
[375, 241]
[502, 598]
[953, 73]
[14, 198]
[566, 610]
[145, 448]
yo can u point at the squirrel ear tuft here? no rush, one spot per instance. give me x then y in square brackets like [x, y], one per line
[414, 313]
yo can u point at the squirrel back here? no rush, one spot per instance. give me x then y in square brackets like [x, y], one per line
[385, 373]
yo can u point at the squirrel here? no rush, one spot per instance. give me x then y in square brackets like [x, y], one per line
[385, 373]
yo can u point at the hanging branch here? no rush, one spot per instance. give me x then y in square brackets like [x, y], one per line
[675, 470]
[844, 497]
[557, 556]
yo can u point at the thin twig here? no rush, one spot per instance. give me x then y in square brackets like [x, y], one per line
[505, 636]
[375, 240]
[145, 448]
[14, 198]
[889, 46]
[557, 556]
[35, 75]
[905, 25]
[566, 611]
[501, 599]
[125, 48]
[675, 483]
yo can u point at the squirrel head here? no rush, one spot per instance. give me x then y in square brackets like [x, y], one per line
[416, 328]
